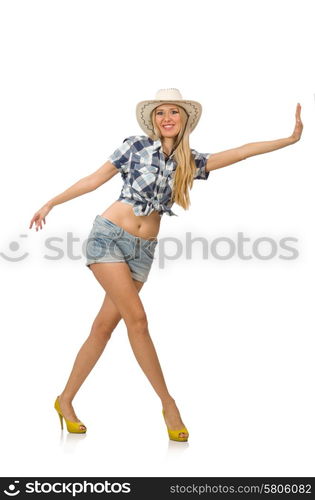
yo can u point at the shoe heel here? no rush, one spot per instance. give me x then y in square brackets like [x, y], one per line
[61, 420]
[74, 427]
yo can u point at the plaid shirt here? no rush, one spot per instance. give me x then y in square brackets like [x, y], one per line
[148, 175]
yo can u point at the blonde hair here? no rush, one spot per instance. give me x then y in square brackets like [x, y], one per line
[186, 167]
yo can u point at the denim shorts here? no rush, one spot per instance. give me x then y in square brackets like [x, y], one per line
[108, 242]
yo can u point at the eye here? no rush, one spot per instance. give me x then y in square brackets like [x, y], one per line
[174, 111]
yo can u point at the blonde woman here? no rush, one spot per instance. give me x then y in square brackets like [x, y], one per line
[158, 169]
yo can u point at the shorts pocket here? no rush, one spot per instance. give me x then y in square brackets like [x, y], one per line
[104, 229]
[149, 248]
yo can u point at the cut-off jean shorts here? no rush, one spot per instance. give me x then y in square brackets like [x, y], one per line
[108, 242]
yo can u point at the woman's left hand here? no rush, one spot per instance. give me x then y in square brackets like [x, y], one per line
[298, 125]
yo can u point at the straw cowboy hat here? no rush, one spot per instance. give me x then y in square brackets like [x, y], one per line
[145, 108]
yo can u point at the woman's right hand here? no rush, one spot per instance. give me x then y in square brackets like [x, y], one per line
[39, 216]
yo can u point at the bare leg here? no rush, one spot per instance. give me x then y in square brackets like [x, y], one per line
[116, 279]
[104, 324]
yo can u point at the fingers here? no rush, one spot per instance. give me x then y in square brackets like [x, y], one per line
[32, 222]
[38, 222]
[298, 123]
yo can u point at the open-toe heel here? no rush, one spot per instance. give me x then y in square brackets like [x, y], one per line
[174, 435]
[73, 427]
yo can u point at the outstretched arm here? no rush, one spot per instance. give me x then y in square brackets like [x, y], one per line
[225, 158]
[83, 186]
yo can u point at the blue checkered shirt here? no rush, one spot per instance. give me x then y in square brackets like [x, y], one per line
[148, 175]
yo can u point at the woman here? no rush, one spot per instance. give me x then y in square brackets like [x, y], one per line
[158, 169]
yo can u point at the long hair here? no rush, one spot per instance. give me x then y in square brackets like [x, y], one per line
[185, 170]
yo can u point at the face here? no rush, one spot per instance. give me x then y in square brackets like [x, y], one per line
[168, 120]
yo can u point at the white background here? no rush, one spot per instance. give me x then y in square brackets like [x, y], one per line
[235, 337]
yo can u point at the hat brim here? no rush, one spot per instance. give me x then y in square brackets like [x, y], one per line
[145, 108]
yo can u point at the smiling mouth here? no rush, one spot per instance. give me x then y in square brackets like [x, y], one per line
[168, 127]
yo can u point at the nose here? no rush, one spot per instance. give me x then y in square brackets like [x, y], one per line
[167, 118]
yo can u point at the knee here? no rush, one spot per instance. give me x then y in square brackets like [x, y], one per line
[138, 325]
[101, 331]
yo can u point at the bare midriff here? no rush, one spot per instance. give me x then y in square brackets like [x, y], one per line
[143, 226]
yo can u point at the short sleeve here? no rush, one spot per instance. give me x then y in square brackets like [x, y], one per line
[200, 162]
[121, 156]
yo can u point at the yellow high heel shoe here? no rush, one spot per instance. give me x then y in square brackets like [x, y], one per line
[175, 435]
[73, 427]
